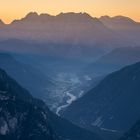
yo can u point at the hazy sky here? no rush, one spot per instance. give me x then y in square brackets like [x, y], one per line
[14, 9]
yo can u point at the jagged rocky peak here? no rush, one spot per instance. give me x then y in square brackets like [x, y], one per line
[118, 18]
[35, 17]
[45, 15]
[32, 15]
[105, 17]
[123, 18]
[1, 23]
[64, 17]
[74, 16]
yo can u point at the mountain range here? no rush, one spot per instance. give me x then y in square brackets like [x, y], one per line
[123, 26]
[84, 69]
[113, 60]
[119, 22]
[46, 28]
[75, 29]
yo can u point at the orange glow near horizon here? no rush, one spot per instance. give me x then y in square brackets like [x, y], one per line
[16, 9]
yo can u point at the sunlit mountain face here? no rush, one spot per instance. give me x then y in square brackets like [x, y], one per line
[73, 28]
[72, 66]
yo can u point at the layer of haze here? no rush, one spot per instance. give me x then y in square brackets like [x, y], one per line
[15, 9]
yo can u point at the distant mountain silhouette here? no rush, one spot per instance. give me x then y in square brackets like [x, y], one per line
[2, 24]
[63, 51]
[118, 22]
[65, 28]
[78, 33]
[114, 60]
[62, 17]
[74, 32]
[123, 26]
[34, 17]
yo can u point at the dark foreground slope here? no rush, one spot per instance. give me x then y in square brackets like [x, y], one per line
[23, 117]
[26, 75]
[133, 133]
[113, 105]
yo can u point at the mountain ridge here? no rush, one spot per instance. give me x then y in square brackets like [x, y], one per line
[114, 60]
[69, 28]
[108, 105]
[2, 23]
[24, 117]
[35, 14]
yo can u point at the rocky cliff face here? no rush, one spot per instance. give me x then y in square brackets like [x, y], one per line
[24, 117]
